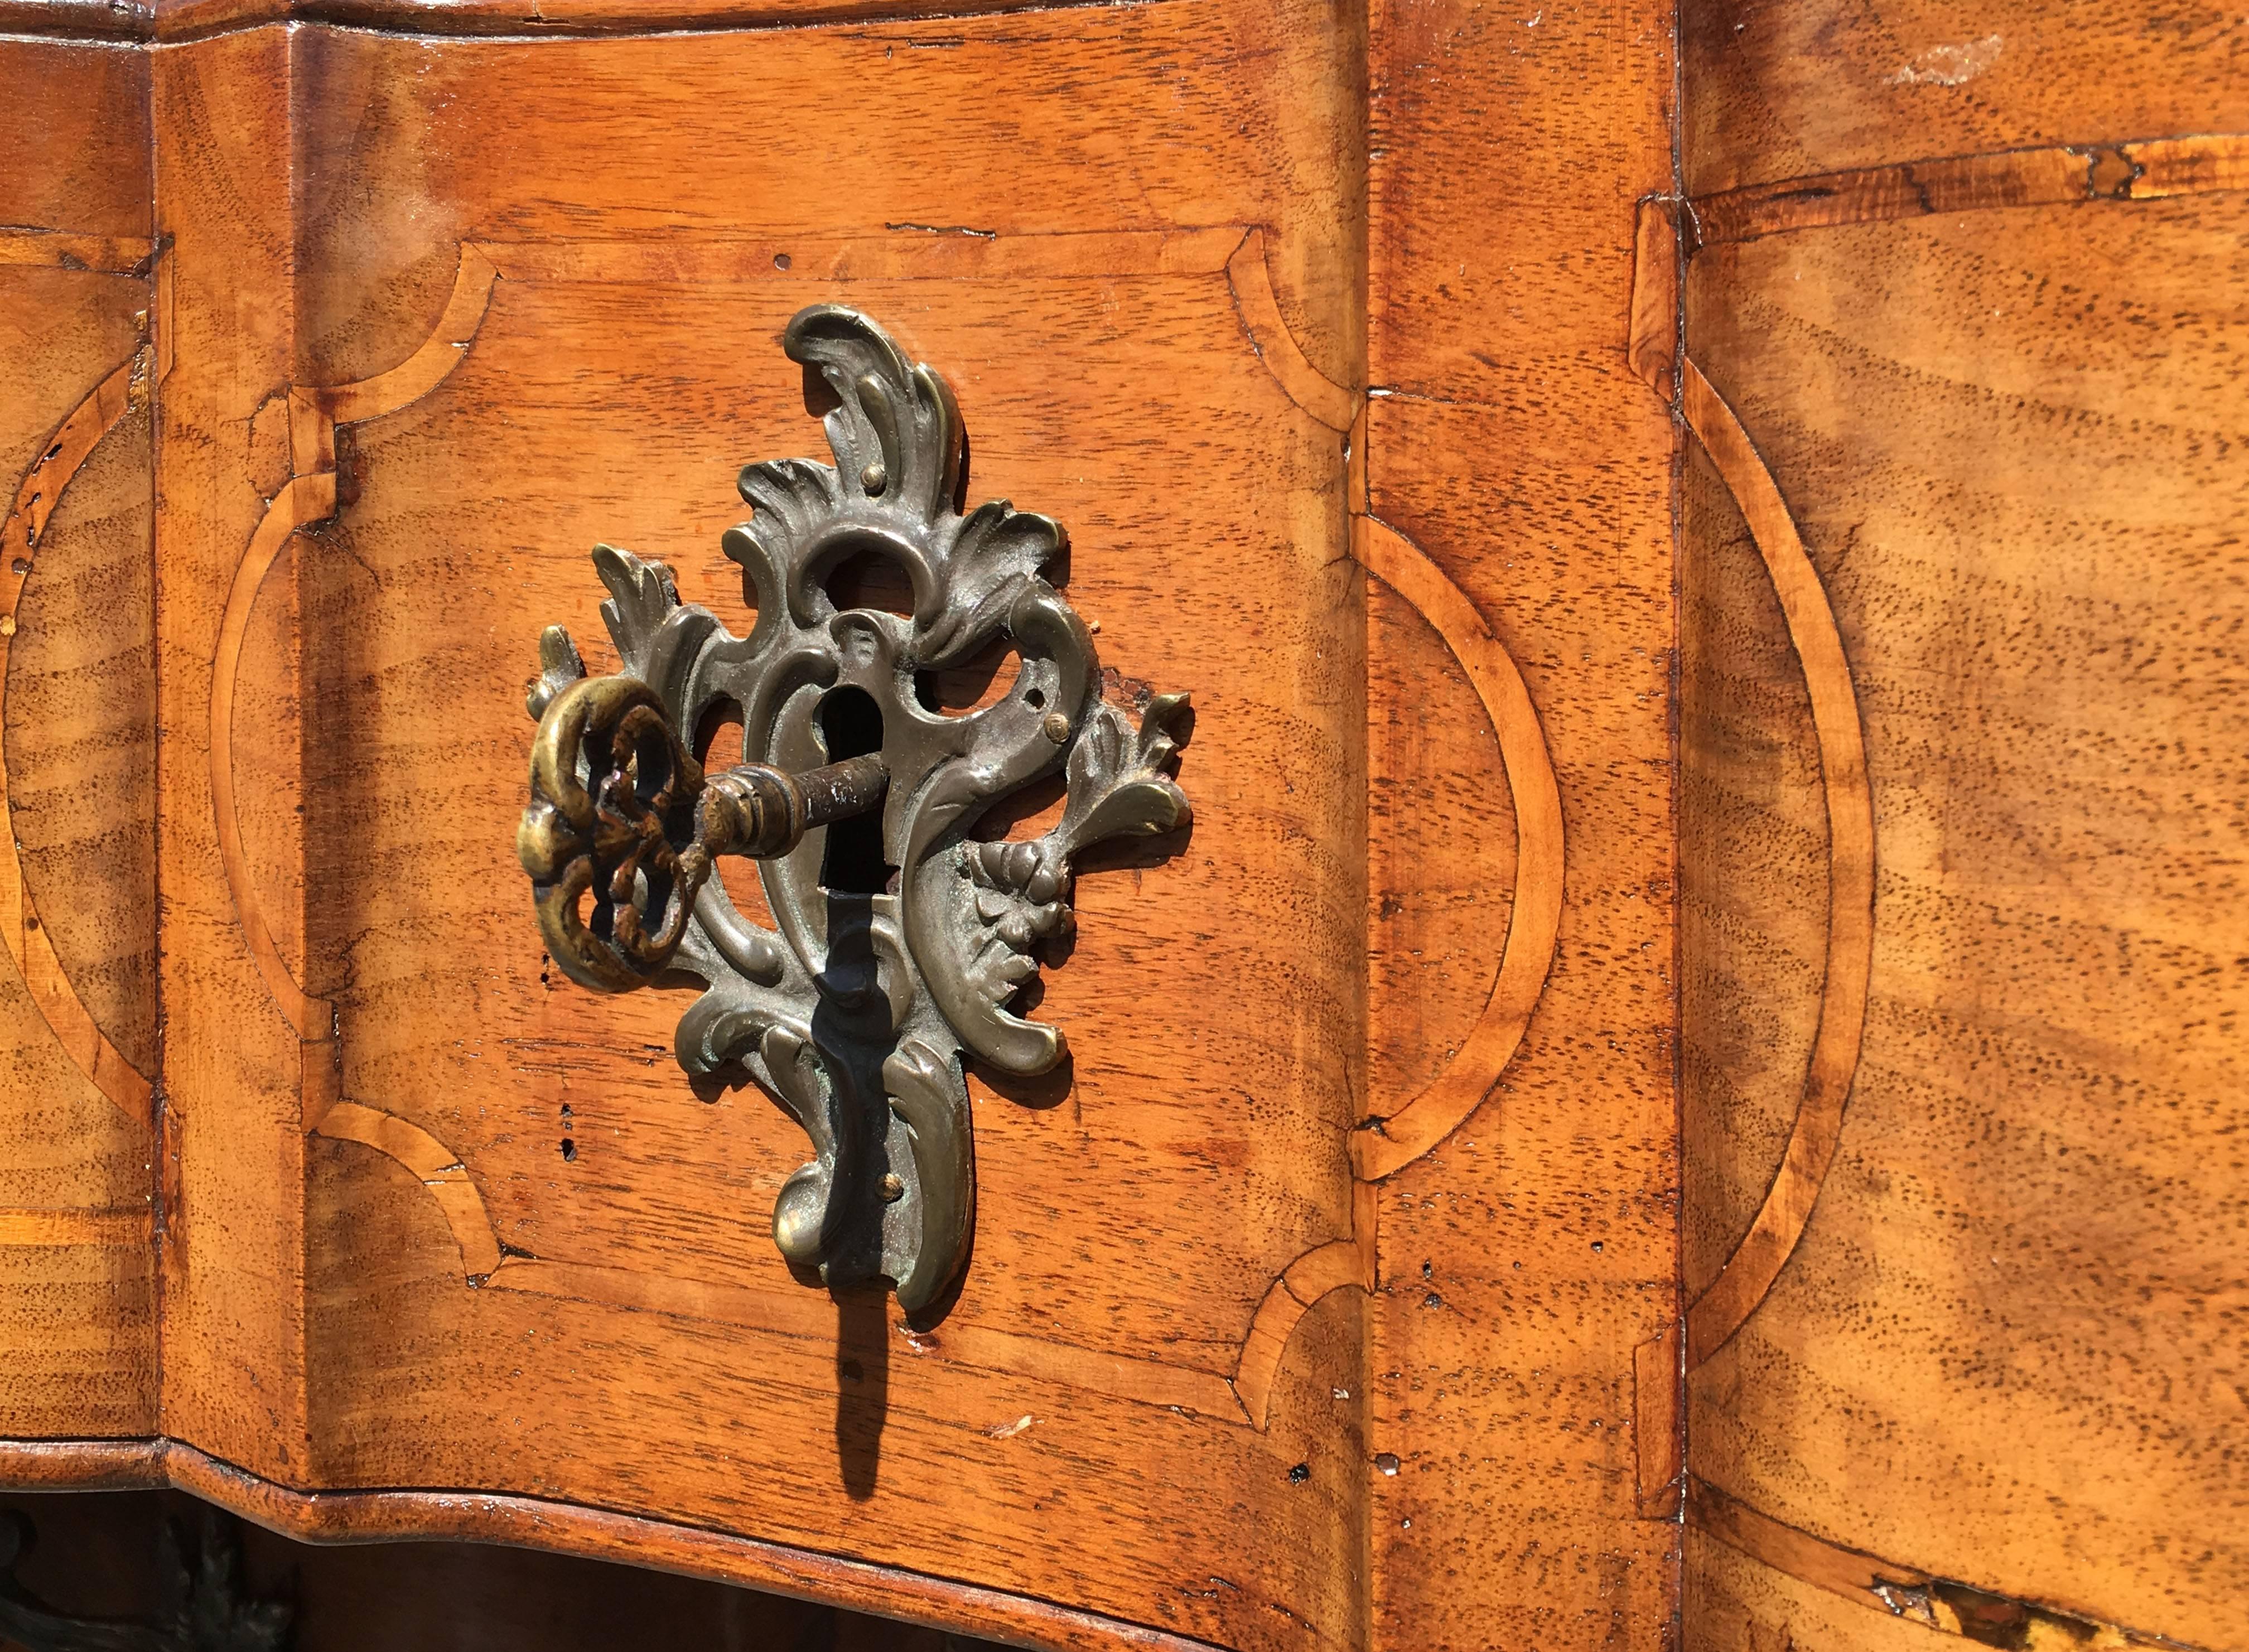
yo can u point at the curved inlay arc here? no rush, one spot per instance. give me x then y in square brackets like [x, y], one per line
[65, 453]
[1425, 1119]
[1653, 351]
[1251, 283]
[1765, 1249]
[1534, 922]
[309, 496]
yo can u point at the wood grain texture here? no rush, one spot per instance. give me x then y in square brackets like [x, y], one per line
[77, 988]
[619, 375]
[1618, 748]
[231, 1147]
[79, 150]
[2004, 1352]
[1791, 91]
[1525, 1256]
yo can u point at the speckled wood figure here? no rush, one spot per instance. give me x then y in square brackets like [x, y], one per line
[901, 941]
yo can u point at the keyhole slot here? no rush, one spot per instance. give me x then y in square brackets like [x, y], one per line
[852, 863]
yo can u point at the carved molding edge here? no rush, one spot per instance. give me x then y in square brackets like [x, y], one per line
[574, 1529]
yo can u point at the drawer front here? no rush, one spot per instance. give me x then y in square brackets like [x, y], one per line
[1273, 1329]
[590, 352]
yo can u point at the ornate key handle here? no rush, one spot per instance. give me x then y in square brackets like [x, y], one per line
[882, 974]
[621, 811]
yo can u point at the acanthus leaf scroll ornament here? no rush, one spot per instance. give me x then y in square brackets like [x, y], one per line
[902, 941]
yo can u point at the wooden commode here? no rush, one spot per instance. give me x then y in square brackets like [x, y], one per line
[1397, 827]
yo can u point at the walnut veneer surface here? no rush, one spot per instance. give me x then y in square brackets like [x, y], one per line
[1682, 1088]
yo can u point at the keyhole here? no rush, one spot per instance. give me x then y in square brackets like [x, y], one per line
[851, 726]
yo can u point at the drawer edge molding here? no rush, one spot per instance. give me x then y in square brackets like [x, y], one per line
[579, 1529]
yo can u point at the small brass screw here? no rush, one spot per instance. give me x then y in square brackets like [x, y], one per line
[894, 1187]
[1057, 727]
[875, 479]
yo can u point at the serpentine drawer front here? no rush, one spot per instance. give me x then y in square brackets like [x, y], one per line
[1649, 1060]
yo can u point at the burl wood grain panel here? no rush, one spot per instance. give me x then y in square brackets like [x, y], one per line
[1525, 1258]
[77, 730]
[534, 353]
[2003, 1358]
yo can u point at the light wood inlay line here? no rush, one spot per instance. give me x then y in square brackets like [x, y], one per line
[1757, 1260]
[1652, 348]
[61, 250]
[1525, 958]
[1534, 927]
[1534, 923]
[70, 447]
[1309, 389]
[104, 1229]
[810, 1316]
[435, 1164]
[435, 357]
[1906, 1592]
[1339, 1265]
[902, 254]
[2137, 169]
[306, 499]
[311, 497]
